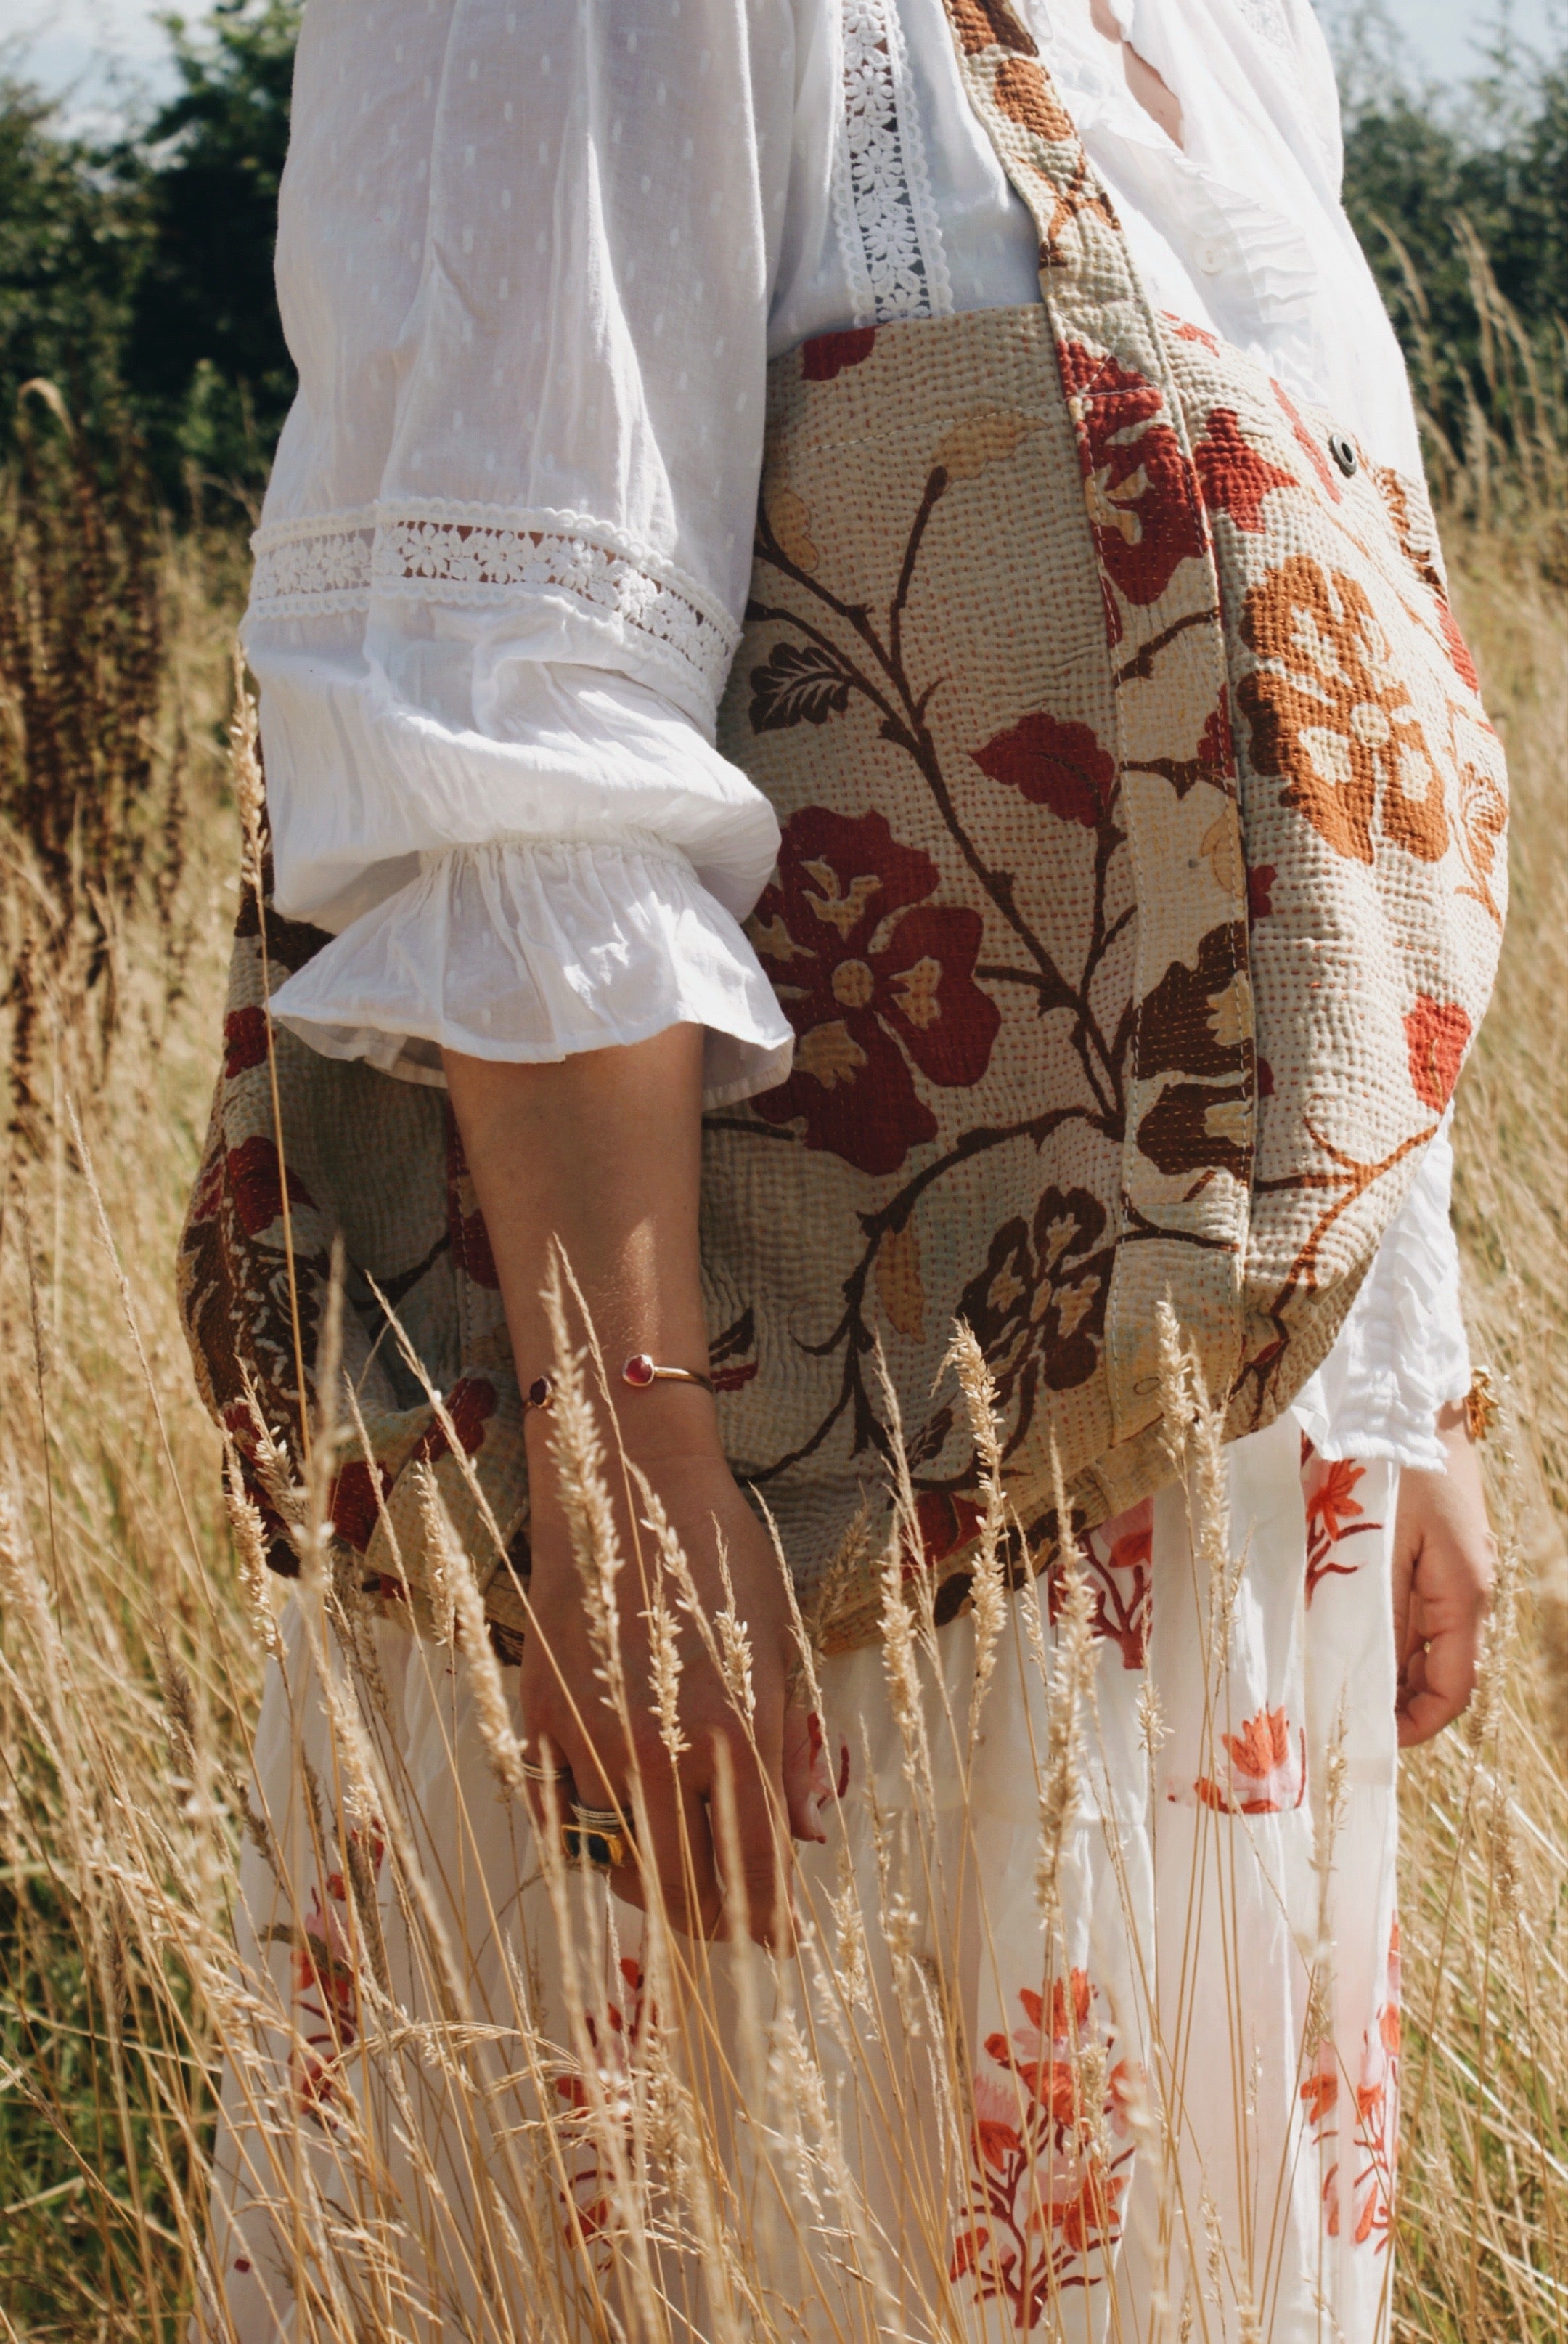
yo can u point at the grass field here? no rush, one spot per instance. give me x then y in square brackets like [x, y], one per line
[132, 1648]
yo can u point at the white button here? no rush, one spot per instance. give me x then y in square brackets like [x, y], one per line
[1211, 258]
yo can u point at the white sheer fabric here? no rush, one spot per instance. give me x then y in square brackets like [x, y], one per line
[533, 260]
[1210, 1863]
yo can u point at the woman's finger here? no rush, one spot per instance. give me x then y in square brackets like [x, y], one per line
[674, 1861]
[808, 1776]
[750, 1836]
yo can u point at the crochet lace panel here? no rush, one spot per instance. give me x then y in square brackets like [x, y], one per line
[886, 213]
[478, 554]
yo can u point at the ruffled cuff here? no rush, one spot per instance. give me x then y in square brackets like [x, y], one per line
[1403, 1353]
[530, 951]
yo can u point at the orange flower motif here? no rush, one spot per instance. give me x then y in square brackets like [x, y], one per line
[995, 2141]
[1263, 1743]
[1437, 1036]
[1331, 717]
[1331, 1504]
[1054, 2084]
[1091, 2213]
[1078, 1985]
[968, 2247]
[1264, 1781]
[1320, 2092]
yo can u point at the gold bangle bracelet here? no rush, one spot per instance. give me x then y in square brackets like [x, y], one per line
[640, 1371]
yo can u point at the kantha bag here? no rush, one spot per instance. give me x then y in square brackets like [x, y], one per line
[1141, 890]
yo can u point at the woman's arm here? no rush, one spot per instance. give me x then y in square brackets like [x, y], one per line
[602, 1152]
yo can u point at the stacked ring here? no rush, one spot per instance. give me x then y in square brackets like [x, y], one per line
[595, 1839]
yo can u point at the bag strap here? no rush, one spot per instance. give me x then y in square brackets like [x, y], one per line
[1166, 631]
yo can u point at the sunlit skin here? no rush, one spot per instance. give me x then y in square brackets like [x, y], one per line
[602, 1151]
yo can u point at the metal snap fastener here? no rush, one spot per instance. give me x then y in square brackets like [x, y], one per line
[1343, 453]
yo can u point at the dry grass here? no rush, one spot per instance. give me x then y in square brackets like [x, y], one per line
[132, 1658]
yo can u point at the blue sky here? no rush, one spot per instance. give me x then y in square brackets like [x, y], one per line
[91, 48]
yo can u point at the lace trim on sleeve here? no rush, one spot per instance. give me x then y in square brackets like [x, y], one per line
[884, 207]
[479, 555]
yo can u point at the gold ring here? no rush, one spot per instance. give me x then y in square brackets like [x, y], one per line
[595, 1839]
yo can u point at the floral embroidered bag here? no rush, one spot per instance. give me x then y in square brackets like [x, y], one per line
[1141, 890]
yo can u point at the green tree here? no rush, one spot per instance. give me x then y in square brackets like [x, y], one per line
[204, 358]
[73, 241]
[1443, 194]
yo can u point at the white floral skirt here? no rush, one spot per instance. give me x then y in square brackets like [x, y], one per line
[1093, 2031]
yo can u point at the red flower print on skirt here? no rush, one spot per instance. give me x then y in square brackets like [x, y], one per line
[1334, 1514]
[1042, 2209]
[871, 975]
[1267, 1772]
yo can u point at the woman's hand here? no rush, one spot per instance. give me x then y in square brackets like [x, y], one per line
[1442, 1569]
[601, 1153]
[739, 1726]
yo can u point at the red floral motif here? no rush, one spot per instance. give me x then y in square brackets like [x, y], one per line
[614, 2048]
[1185, 331]
[870, 975]
[1261, 881]
[1453, 643]
[326, 1990]
[1363, 2196]
[254, 1183]
[470, 1240]
[470, 1404]
[1437, 1036]
[1055, 764]
[1042, 2211]
[1143, 500]
[1265, 1777]
[946, 1522]
[355, 1511]
[243, 1041]
[1118, 1560]
[827, 355]
[1236, 478]
[1307, 443]
[1334, 1513]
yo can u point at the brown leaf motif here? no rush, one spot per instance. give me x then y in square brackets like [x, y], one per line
[797, 684]
[1038, 1306]
[1191, 1022]
[1199, 1128]
[1330, 715]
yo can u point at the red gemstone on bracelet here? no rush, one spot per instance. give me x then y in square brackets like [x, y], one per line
[638, 1369]
[539, 1392]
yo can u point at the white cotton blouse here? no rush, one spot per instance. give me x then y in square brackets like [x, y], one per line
[533, 257]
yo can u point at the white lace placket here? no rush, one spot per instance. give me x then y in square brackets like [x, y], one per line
[883, 205]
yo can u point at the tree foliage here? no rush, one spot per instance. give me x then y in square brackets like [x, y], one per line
[139, 275]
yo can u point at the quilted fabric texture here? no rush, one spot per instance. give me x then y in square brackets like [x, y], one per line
[1141, 890]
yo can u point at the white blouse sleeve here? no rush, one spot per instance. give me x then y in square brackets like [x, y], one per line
[525, 258]
[1403, 1352]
